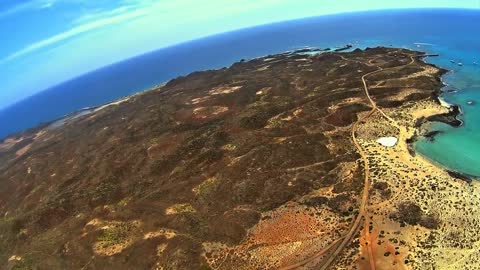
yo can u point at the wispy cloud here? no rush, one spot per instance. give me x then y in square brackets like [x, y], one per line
[27, 5]
[47, 3]
[101, 14]
[73, 32]
[14, 9]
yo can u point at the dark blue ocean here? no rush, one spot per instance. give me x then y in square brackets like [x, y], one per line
[454, 34]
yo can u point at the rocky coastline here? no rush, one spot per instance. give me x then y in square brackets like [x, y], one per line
[250, 166]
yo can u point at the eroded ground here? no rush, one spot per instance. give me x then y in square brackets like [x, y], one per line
[247, 167]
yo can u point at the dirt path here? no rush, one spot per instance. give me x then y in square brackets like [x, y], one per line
[366, 187]
[337, 246]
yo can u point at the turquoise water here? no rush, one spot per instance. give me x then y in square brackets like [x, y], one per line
[452, 33]
[458, 148]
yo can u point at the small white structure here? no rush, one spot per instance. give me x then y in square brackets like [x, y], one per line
[388, 141]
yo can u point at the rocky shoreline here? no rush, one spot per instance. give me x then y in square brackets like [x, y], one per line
[250, 166]
[450, 118]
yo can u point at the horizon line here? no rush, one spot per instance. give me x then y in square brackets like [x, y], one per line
[224, 33]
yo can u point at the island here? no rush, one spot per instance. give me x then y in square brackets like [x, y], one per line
[288, 161]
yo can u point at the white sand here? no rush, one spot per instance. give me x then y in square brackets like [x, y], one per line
[444, 103]
[388, 141]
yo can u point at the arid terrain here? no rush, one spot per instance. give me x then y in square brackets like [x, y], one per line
[272, 163]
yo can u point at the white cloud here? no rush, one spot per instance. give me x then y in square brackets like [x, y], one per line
[73, 32]
[15, 9]
[47, 3]
[28, 5]
[100, 14]
[92, 20]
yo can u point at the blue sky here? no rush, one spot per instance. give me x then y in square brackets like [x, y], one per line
[45, 42]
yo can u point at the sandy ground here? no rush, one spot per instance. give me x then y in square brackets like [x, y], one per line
[452, 205]
[439, 230]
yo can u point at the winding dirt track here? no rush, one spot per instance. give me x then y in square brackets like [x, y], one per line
[366, 187]
[339, 244]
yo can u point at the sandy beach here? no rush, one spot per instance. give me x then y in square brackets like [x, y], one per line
[438, 214]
